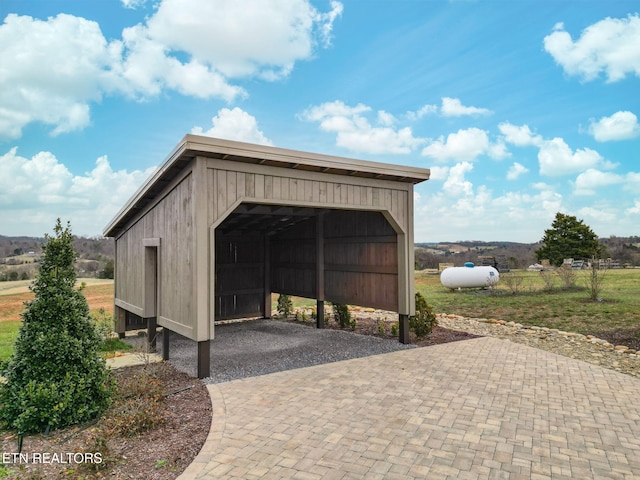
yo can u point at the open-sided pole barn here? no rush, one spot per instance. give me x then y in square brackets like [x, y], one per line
[222, 225]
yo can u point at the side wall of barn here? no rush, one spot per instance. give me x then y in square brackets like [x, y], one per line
[160, 242]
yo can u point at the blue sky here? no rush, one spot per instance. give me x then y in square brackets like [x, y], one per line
[520, 109]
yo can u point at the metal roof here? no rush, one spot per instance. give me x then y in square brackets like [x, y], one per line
[195, 145]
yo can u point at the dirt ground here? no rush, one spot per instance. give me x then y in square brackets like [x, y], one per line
[99, 294]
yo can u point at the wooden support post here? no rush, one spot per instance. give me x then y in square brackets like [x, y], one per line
[152, 326]
[320, 270]
[120, 321]
[204, 359]
[320, 313]
[165, 343]
[403, 335]
[267, 279]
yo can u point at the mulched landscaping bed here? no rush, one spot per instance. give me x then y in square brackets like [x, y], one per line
[182, 420]
[368, 325]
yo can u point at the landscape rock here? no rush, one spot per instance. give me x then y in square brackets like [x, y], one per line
[587, 348]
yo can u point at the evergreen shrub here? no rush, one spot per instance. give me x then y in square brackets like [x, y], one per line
[285, 306]
[424, 321]
[342, 315]
[56, 376]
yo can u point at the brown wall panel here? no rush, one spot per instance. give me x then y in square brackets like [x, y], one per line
[239, 282]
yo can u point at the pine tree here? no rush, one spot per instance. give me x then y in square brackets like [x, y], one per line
[56, 376]
[568, 237]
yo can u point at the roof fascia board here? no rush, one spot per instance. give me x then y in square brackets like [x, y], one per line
[200, 144]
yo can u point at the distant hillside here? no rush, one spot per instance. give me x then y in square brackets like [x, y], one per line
[517, 255]
[626, 250]
[19, 256]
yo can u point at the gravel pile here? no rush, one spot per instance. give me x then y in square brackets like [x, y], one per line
[259, 347]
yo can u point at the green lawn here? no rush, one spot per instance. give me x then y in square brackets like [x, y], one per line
[535, 304]
[8, 334]
[532, 304]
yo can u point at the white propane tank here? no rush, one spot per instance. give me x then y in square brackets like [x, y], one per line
[469, 276]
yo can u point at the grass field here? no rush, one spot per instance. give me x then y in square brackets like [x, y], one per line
[616, 317]
[99, 295]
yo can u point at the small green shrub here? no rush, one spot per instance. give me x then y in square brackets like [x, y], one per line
[104, 323]
[342, 315]
[4, 471]
[285, 306]
[424, 321]
[395, 329]
[382, 327]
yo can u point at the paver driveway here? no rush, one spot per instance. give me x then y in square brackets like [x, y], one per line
[482, 408]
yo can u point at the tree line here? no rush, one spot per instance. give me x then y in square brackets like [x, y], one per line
[568, 237]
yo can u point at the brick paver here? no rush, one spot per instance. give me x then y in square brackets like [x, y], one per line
[482, 408]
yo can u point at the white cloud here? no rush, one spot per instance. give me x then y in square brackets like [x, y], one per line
[325, 21]
[456, 184]
[452, 107]
[635, 210]
[334, 109]
[520, 136]
[438, 173]
[281, 33]
[355, 132]
[599, 215]
[610, 46]
[632, 181]
[588, 182]
[464, 145]
[53, 70]
[234, 124]
[38, 190]
[422, 112]
[148, 68]
[619, 126]
[556, 159]
[516, 171]
[467, 211]
[385, 118]
[133, 4]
